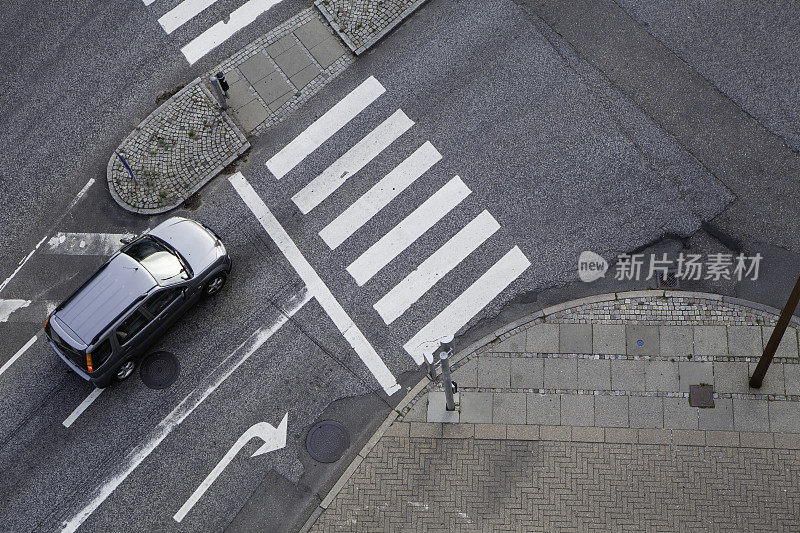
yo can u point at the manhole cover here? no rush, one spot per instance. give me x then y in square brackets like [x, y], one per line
[701, 395]
[327, 441]
[159, 370]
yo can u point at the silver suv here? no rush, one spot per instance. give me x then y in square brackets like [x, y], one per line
[106, 326]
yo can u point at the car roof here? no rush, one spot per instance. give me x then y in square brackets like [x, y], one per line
[108, 293]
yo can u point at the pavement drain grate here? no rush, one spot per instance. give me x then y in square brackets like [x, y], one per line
[327, 441]
[159, 370]
[701, 395]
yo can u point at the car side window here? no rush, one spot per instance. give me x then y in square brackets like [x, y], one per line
[131, 326]
[101, 352]
[161, 300]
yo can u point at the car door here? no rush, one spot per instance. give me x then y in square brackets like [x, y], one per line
[166, 306]
[133, 334]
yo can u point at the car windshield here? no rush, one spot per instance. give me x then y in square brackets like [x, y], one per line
[165, 265]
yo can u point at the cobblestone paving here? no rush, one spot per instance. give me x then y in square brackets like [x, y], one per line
[361, 22]
[421, 484]
[173, 151]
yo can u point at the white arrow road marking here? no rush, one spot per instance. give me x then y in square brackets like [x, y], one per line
[192, 400]
[73, 416]
[324, 127]
[315, 285]
[86, 243]
[18, 354]
[274, 439]
[7, 307]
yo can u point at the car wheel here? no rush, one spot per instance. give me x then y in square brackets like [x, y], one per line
[216, 283]
[125, 371]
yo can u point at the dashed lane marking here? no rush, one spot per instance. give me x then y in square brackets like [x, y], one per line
[73, 416]
[17, 355]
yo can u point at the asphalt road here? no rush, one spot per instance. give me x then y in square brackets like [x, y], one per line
[540, 124]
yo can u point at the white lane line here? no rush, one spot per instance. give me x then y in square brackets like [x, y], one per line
[192, 400]
[407, 292]
[324, 127]
[7, 307]
[73, 416]
[21, 264]
[183, 13]
[468, 303]
[148, 2]
[408, 230]
[321, 293]
[80, 194]
[379, 196]
[221, 31]
[86, 243]
[352, 161]
[18, 354]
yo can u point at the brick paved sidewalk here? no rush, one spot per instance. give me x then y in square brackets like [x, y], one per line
[578, 418]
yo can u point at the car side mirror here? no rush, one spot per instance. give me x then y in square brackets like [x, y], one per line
[126, 241]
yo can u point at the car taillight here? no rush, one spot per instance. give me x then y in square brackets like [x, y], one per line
[46, 322]
[89, 362]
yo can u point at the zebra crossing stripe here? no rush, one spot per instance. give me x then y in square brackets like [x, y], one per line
[468, 303]
[408, 230]
[217, 34]
[183, 13]
[86, 243]
[352, 161]
[324, 127]
[453, 252]
[379, 196]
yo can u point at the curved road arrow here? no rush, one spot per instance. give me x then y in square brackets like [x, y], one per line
[274, 439]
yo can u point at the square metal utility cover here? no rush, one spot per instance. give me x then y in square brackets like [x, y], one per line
[701, 395]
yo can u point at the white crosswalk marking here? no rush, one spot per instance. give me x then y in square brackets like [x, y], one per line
[409, 230]
[86, 243]
[468, 303]
[221, 31]
[148, 2]
[379, 196]
[8, 307]
[415, 285]
[183, 13]
[325, 126]
[352, 161]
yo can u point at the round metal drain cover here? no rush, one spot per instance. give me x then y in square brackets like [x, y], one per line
[159, 370]
[327, 441]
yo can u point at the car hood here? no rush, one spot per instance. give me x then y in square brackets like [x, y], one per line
[194, 242]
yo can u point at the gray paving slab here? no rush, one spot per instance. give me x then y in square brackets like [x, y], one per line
[791, 377]
[611, 411]
[695, 373]
[251, 115]
[278, 102]
[661, 376]
[642, 340]
[789, 342]
[527, 373]
[437, 408]
[750, 415]
[256, 68]
[678, 414]
[281, 45]
[544, 409]
[719, 417]
[272, 87]
[773, 382]
[467, 374]
[516, 343]
[418, 411]
[594, 374]
[628, 375]
[494, 372]
[710, 340]
[509, 408]
[608, 339]
[542, 338]
[327, 52]
[240, 94]
[646, 412]
[784, 417]
[676, 340]
[560, 373]
[305, 76]
[731, 377]
[476, 407]
[312, 33]
[577, 410]
[744, 341]
[293, 60]
[575, 338]
[232, 76]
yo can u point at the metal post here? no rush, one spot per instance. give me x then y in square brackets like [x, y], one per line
[775, 338]
[218, 93]
[223, 83]
[431, 365]
[447, 382]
